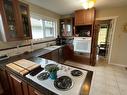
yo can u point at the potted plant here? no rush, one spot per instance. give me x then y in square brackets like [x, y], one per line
[53, 71]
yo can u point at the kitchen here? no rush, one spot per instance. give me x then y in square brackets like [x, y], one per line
[36, 19]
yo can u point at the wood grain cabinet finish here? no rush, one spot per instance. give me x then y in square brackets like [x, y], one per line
[84, 17]
[54, 55]
[17, 86]
[32, 91]
[25, 20]
[66, 26]
[79, 17]
[4, 82]
[47, 56]
[16, 27]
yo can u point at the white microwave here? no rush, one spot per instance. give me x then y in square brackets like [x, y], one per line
[82, 44]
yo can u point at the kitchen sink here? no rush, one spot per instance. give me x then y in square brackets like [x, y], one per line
[52, 47]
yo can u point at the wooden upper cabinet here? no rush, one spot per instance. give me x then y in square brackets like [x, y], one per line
[66, 26]
[25, 20]
[15, 26]
[90, 16]
[84, 17]
[79, 17]
[10, 20]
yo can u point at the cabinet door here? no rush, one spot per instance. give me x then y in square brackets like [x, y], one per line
[89, 16]
[47, 56]
[4, 82]
[79, 17]
[84, 17]
[55, 55]
[17, 86]
[25, 20]
[32, 91]
[8, 9]
[61, 56]
[66, 27]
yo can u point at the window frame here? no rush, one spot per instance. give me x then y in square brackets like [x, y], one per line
[43, 19]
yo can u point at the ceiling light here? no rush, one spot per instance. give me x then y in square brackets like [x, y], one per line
[85, 5]
[91, 4]
[88, 3]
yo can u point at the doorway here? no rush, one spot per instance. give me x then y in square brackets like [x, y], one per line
[104, 40]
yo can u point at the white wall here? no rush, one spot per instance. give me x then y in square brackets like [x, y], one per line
[119, 49]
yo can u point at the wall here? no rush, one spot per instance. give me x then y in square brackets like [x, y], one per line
[43, 12]
[36, 10]
[119, 49]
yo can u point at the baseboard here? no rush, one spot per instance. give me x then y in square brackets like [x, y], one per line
[121, 65]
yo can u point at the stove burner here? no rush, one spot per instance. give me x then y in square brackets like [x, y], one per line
[63, 83]
[76, 73]
[43, 76]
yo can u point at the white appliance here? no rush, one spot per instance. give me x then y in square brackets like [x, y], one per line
[65, 71]
[82, 44]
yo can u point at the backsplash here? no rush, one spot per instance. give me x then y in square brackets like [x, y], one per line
[19, 47]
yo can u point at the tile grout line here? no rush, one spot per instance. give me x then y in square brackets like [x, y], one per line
[117, 82]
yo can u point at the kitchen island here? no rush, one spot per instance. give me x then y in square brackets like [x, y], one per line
[18, 83]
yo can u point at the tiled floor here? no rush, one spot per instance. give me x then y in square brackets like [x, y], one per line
[107, 79]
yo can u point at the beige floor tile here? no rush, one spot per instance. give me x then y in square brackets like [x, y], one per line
[97, 91]
[123, 92]
[107, 79]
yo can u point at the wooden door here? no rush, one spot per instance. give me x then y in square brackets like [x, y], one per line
[94, 44]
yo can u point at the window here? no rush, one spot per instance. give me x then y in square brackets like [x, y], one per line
[37, 28]
[43, 28]
[49, 28]
[102, 35]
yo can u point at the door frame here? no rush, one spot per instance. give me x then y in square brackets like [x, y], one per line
[114, 19]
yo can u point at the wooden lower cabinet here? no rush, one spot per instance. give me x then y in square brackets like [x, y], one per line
[54, 55]
[18, 87]
[32, 91]
[47, 56]
[4, 82]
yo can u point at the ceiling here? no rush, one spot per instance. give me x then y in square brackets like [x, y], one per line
[64, 7]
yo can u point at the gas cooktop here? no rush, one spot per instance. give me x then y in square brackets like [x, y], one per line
[69, 79]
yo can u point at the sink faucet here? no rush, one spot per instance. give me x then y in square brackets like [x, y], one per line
[31, 45]
[48, 44]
